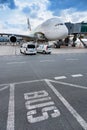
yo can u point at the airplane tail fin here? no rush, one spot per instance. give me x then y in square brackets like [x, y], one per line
[28, 23]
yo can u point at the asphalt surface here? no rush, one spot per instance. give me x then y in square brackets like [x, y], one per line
[44, 92]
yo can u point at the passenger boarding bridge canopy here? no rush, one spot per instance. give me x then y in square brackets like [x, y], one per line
[84, 28]
[77, 28]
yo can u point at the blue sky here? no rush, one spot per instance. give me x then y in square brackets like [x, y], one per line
[13, 13]
[80, 5]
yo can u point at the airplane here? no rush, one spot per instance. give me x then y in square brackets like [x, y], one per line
[4, 39]
[50, 30]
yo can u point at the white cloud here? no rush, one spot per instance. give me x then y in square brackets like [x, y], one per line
[19, 19]
[72, 15]
[16, 20]
[38, 8]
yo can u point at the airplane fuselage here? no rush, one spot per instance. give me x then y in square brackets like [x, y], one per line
[52, 29]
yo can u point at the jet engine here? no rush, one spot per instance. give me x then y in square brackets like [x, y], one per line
[13, 39]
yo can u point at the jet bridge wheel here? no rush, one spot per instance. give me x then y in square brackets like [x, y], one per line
[57, 45]
[73, 45]
[74, 39]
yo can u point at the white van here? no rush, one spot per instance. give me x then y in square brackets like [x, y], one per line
[28, 48]
[46, 49]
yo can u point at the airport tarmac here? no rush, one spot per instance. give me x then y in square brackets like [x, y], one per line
[15, 50]
[9, 50]
[44, 92]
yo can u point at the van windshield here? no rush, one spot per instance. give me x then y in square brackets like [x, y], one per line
[48, 46]
[31, 46]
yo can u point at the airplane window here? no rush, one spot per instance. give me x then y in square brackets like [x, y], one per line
[59, 24]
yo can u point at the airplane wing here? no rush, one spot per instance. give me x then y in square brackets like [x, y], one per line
[14, 37]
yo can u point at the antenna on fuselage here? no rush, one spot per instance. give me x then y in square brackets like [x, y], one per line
[28, 23]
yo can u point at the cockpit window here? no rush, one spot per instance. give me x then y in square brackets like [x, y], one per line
[58, 24]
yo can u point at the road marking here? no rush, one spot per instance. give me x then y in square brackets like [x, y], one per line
[29, 102]
[37, 94]
[76, 115]
[41, 100]
[31, 81]
[77, 75]
[45, 114]
[68, 84]
[3, 85]
[16, 62]
[28, 106]
[10, 119]
[22, 82]
[72, 59]
[60, 77]
[4, 88]
[47, 61]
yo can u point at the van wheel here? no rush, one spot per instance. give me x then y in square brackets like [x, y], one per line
[25, 52]
[20, 51]
[44, 52]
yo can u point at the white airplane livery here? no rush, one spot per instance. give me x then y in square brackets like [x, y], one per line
[50, 30]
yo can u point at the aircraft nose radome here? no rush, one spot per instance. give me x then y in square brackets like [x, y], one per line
[61, 33]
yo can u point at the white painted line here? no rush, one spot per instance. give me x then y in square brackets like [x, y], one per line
[77, 75]
[72, 59]
[31, 81]
[36, 94]
[28, 106]
[10, 119]
[29, 102]
[47, 61]
[38, 100]
[60, 77]
[16, 63]
[16, 83]
[4, 88]
[3, 85]
[75, 114]
[68, 84]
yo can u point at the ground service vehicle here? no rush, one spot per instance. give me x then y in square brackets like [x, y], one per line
[46, 49]
[28, 48]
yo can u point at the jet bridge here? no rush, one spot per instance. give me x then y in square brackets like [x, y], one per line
[77, 29]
